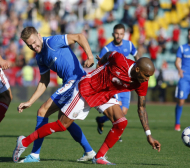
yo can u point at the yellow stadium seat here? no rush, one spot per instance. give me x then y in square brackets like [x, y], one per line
[106, 5]
[167, 16]
[174, 17]
[162, 22]
[165, 5]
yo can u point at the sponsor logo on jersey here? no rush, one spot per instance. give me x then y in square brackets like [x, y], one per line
[186, 56]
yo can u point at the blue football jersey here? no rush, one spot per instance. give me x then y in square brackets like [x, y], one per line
[183, 52]
[126, 48]
[57, 56]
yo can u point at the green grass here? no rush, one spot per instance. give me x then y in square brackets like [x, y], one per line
[60, 150]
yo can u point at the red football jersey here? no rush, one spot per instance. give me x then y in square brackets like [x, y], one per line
[98, 86]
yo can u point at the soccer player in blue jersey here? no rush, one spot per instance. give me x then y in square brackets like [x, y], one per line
[54, 53]
[124, 47]
[182, 64]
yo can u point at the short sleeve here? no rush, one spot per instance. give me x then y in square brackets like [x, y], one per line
[57, 41]
[133, 50]
[103, 51]
[43, 68]
[179, 52]
[142, 90]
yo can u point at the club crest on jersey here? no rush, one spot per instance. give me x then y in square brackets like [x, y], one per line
[186, 49]
[118, 73]
[116, 80]
[75, 114]
[125, 50]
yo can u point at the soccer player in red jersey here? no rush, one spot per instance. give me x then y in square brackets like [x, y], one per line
[116, 74]
[5, 91]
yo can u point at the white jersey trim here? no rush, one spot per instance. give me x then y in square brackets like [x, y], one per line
[48, 45]
[129, 71]
[106, 48]
[130, 46]
[44, 72]
[135, 53]
[66, 39]
[181, 48]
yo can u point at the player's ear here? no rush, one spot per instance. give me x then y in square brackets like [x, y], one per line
[137, 69]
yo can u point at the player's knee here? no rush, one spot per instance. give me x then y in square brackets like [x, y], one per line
[121, 125]
[41, 112]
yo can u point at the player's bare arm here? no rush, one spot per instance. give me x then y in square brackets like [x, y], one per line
[4, 64]
[144, 121]
[104, 59]
[178, 66]
[142, 112]
[136, 57]
[42, 85]
[82, 41]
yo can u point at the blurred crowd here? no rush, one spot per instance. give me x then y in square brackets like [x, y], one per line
[72, 16]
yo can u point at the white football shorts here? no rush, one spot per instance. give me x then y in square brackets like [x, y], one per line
[4, 84]
[78, 108]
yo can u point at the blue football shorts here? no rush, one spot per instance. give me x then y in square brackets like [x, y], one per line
[183, 88]
[124, 98]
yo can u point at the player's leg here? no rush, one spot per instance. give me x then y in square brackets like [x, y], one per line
[42, 120]
[178, 112]
[5, 99]
[5, 95]
[116, 116]
[101, 120]
[79, 137]
[125, 103]
[182, 91]
[48, 108]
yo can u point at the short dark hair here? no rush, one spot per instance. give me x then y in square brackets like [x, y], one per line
[188, 30]
[119, 26]
[27, 32]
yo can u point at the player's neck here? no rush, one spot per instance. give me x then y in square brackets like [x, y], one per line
[133, 72]
[116, 44]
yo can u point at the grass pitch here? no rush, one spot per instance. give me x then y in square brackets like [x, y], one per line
[60, 150]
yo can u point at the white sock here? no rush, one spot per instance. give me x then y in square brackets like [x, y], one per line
[89, 153]
[35, 155]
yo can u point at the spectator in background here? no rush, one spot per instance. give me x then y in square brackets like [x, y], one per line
[11, 54]
[153, 50]
[152, 9]
[101, 38]
[127, 19]
[161, 86]
[173, 2]
[162, 39]
[108, 17]
[27, 75]
[53, 23]
[175, 38]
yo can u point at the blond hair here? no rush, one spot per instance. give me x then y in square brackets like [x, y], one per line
[27, 32]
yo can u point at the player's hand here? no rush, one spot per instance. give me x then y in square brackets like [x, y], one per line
[154, 143]
[98, 58]
[89, 62]
[5, 64]
[180, 73]
[23, 106]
